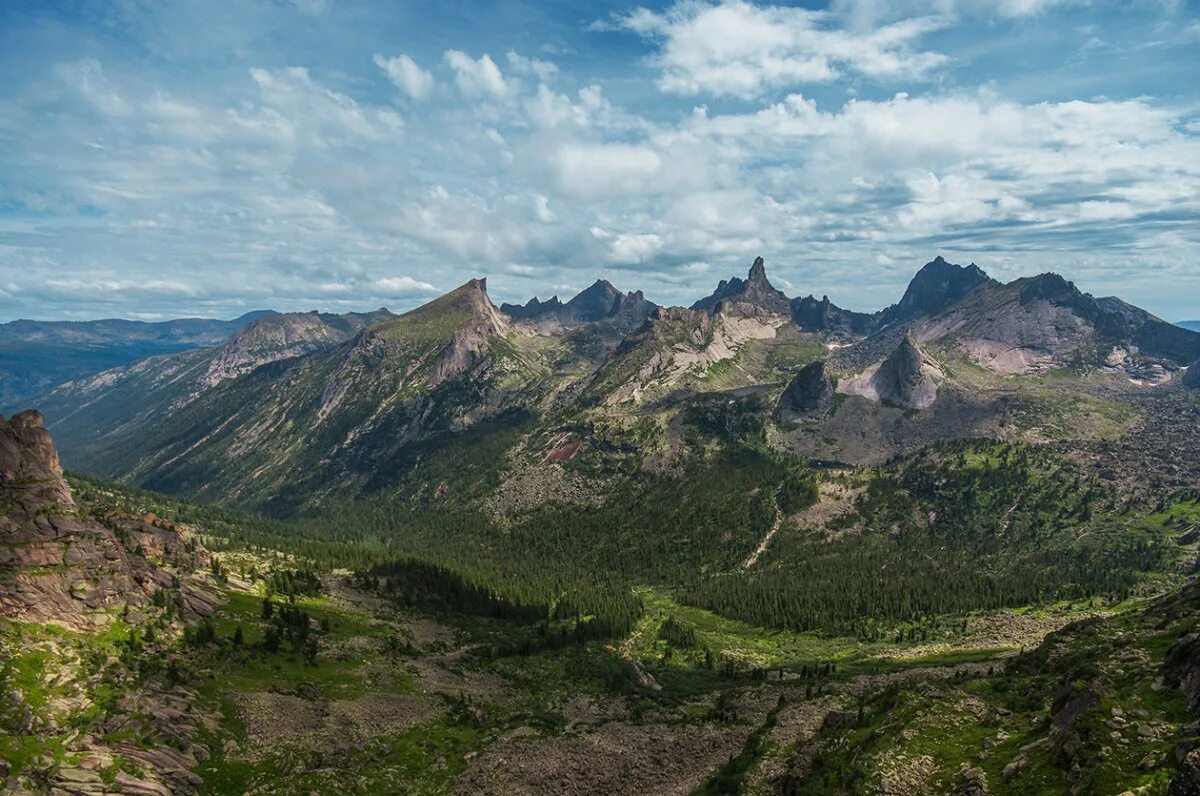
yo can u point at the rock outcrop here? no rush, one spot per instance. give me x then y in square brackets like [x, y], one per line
[810, 393]
[1191, 376]
[907, 378]
[601, 302]
[1042, 322]
[812, 315]
[674, 346]
[935, 287]
[753, 295]
[62, 565]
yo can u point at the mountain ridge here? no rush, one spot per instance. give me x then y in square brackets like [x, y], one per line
[321, 405]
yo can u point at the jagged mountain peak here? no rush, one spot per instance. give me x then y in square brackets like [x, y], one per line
[466, 305]
[597, 300]
[758, 272]
[940, 282]
[755, 292]
[1046, 285]
[907, 378]
[600, 301]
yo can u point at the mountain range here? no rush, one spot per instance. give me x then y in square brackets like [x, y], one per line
[760, 544]
[38, 355]
[336, 403]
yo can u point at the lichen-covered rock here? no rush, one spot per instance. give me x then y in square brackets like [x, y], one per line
[1187, 779]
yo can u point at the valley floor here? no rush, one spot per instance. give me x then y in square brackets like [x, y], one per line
[404, 701]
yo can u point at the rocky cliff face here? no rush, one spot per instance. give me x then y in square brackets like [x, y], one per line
[812, 315]
[907, 378]
[809, 394]
[1191, 376]
[64, 565]
[675, 346]
[1043, 322]
[936, 286]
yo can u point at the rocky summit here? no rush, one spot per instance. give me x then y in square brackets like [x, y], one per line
[907, 378]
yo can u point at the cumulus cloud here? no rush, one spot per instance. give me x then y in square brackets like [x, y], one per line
[406, 75]
[403, 286]
[741, 50]
[214, 179]
[477, 77]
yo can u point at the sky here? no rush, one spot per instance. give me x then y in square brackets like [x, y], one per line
[204, 158]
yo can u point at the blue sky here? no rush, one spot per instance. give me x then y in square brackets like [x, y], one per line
[192, 157]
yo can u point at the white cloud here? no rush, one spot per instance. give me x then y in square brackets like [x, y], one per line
[631, 248]
[477, 77]
[402, 285]
[88, 78]
[406, 75]
[298, 108]
[868, 13]
[593, 170]
[741, 50]
[545, 71]
[310, 187]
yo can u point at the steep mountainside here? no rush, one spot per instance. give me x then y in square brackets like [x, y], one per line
[809, 394]
[88, 595]
[35, 356]
[88, 412]
[283, 337]
[60, 565]
[340, 416]
[297, 404]
[908, 377]
[937, 285]
[1043, 322]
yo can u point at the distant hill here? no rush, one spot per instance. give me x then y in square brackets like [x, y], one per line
[36, 356]
[1192, 325]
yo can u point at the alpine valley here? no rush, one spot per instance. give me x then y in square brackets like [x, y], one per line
[760, 544]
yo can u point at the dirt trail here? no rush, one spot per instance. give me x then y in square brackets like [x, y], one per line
[766, 542]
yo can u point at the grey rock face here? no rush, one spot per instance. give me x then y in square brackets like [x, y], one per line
[906, 378]
[810, 393]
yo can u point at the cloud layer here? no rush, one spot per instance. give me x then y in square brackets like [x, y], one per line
[337, 156]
